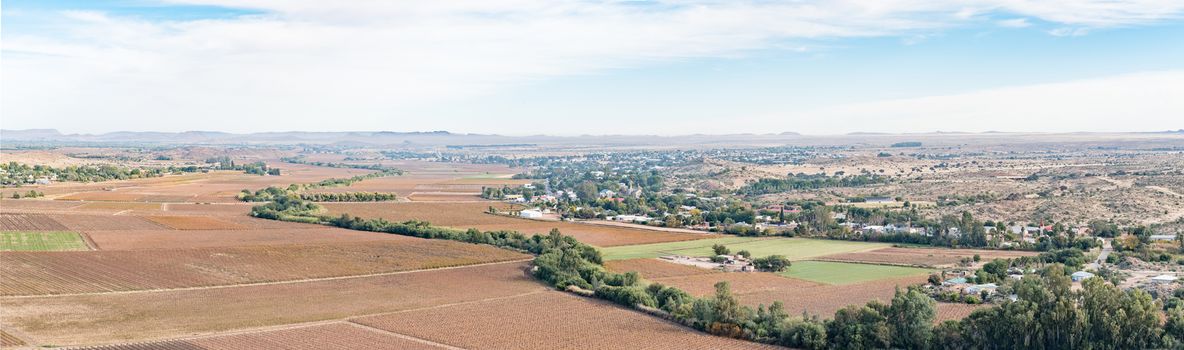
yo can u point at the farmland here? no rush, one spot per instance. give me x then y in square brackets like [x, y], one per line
[41, 241]
[848, 273]
[472, 215]
[792, 248]
[28, 273]
[519, 322]
[153, 315]
[338, 335]
[928, 257]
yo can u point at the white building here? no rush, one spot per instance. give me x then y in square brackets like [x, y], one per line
[531, 214]
[1163, 279]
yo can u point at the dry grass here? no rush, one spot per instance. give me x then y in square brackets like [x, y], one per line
[533, 322]
[120, 206]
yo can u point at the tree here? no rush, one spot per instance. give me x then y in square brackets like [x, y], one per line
[720, 249]
[911, 317]
[858, 327]
[772, 263]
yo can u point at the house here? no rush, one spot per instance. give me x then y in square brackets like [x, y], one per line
[514, 198]
[1163, 237]
[954, 281]
[531, 214]
[607, 193]
[879, 199]
[1163, 279]
[989, 288]
[1080, 275]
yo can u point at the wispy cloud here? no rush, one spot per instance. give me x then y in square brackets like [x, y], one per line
[305, 59]
[1014, 23]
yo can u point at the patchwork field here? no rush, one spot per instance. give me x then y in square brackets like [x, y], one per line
[472, 215]
[792, 248]
[41, 241]
[28, 273]
[528, 321]
[144, 316]
[923, 256]
[848, 273]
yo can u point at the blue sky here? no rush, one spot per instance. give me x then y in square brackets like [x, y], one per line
[593, 68]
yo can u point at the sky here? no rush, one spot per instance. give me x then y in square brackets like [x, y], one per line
[520, 67]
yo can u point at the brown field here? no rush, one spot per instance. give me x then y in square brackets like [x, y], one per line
[119, 206]
[39, 273]
[530, 321]
[29, 222]
[34, 206]
[170, 239]
[9, 340]
[106, 222]
[132, 317]
[337, 335]
[194, 223]
[655, 268]
[923, 256]
[441, 197]
[471, 215]
[758, 288]
[955, 311]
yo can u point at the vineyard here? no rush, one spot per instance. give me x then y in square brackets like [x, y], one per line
[131, 317]
[29, 222]
[41, 241]
[106, 271]
[169, 239]
[325, 336]
[530, 321]
[194, 223]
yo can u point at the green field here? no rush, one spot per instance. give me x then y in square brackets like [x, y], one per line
[792, 248]
[847, 273]
[40, 241]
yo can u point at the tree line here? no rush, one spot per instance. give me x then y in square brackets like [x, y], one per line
[271, 193]
[1047, 313]
[16, 174]
[809, 181]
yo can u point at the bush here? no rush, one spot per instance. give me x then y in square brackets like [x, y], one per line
[772, 263]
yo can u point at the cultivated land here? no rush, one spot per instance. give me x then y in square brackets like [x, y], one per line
[28, 273]
[177, 262]
[41, 241]
[472, 215]
[848, 273]
[527, 322]
[927, 257]
[142, 316]
[792, 248]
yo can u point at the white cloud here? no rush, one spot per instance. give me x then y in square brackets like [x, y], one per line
[303, 62]
[1100, 104]
[1014, 23]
